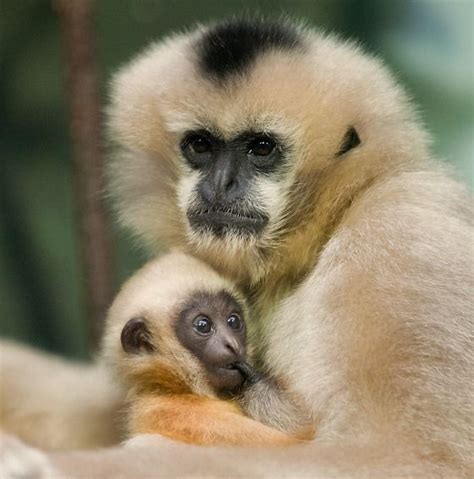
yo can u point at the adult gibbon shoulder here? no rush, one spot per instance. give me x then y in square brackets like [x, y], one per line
[294, 164]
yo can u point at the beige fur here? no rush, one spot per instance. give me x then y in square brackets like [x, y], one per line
[54, 404]
[363, 283]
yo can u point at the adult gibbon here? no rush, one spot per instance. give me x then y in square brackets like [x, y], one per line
[292, 163]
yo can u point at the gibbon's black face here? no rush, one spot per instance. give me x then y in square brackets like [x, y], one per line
[234, 173]
[227, 171]
[212, 327]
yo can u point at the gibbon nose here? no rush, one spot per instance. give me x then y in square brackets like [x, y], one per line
[233, 346]
[222, 183]
[230, 350]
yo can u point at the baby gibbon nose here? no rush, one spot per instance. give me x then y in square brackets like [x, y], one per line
[227, 348]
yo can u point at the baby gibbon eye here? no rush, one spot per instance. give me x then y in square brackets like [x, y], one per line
[202, 325]
[234, 322]
[261, 146]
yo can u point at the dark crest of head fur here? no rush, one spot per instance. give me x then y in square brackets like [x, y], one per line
[230, 47]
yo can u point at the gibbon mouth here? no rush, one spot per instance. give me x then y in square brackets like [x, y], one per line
[232, 377]
[219, 221]
[226, 378]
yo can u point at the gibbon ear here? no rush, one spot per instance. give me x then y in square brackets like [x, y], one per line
[351, 140]
[136, 337]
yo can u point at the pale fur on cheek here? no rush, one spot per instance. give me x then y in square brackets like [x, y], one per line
[187, 189]
[268, 193]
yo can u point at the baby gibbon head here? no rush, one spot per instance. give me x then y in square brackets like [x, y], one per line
[177, 327]
[241, 136]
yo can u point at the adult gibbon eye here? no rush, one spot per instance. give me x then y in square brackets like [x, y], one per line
[234, 322]
[199, 144]
[261, 146]
[202, 325]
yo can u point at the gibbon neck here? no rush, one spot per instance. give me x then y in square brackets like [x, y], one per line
[301, 243]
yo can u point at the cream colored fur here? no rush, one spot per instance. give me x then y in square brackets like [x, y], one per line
[54, 404]
[362, 286]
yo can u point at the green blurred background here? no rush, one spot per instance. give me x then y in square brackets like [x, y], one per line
[428, 43]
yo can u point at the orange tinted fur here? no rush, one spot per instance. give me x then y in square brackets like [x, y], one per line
[201, 420]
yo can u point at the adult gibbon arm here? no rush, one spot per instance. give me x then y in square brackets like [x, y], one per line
[155, 456]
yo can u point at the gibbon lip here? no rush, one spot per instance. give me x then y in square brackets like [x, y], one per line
[218, 219]
[231, 369]
[226, 378]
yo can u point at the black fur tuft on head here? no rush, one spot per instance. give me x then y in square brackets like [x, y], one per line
[230, 47]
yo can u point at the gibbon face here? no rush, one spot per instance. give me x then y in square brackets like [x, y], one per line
[234, 136]
[177, 326]
[209, 325]
[212, 327]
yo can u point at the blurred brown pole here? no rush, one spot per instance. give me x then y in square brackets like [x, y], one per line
[76, 17]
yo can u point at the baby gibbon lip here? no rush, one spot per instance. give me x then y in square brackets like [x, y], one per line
[254, 221]
[231, 366]
[226, 378]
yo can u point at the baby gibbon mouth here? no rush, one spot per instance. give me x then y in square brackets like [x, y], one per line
[222, 221]
[226, 378]
[232, 377]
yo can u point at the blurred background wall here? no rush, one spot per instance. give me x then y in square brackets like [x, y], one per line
[427, 43]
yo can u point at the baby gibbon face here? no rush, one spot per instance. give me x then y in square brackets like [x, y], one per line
[212, 327]
[176, 326]
[209, 325]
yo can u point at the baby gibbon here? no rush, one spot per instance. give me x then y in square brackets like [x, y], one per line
[176, 338]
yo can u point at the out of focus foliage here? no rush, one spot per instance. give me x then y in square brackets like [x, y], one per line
[429, 45]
